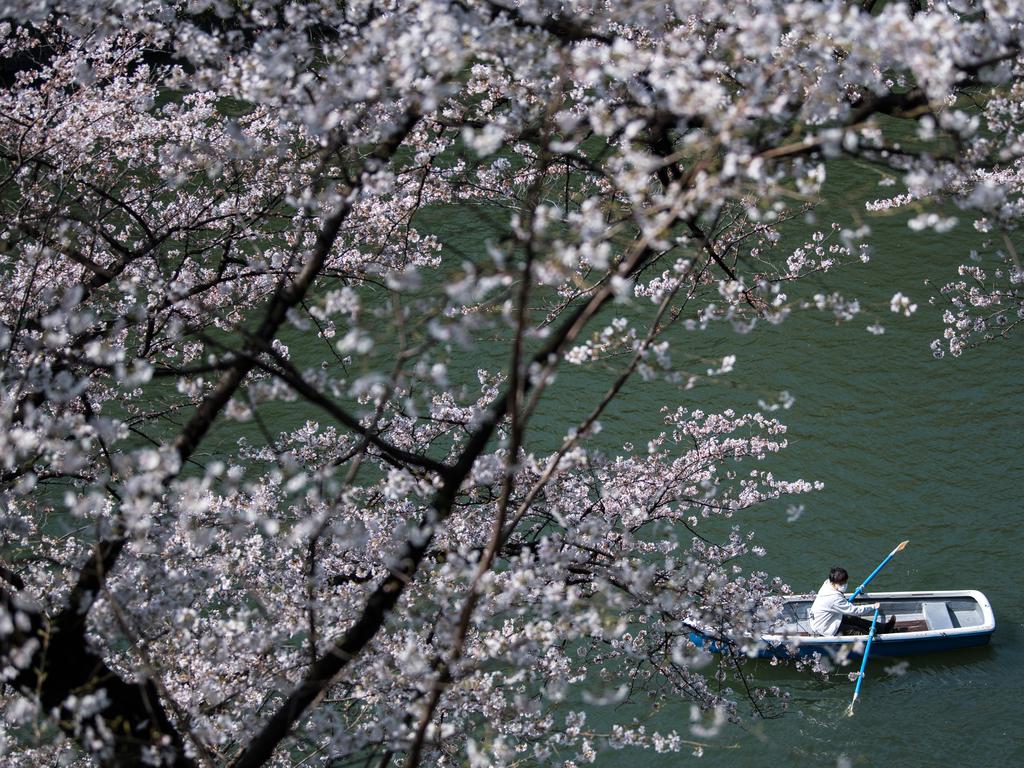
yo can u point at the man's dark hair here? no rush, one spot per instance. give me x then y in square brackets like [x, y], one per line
[838, 575]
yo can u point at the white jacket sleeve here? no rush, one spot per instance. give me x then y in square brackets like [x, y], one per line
[845, 606]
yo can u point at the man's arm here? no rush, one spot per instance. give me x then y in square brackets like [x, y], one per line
[846, 607]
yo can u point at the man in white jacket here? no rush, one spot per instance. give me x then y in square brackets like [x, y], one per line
[832, 613]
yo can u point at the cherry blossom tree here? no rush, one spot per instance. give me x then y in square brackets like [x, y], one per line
[221, 218]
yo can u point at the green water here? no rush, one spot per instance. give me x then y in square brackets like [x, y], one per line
[909, 447]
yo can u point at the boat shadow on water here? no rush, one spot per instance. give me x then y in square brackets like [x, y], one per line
[786, 672]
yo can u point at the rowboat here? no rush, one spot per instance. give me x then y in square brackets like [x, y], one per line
[926, 622]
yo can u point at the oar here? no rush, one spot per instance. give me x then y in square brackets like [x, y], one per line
[863, 662]
[881, 565]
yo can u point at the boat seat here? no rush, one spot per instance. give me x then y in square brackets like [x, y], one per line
[937, 616]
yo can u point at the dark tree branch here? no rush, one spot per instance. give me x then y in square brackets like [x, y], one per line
[384, 598]
[287, 373]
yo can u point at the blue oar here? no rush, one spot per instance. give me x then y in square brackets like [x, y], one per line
[864, 661]
[881, 565]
